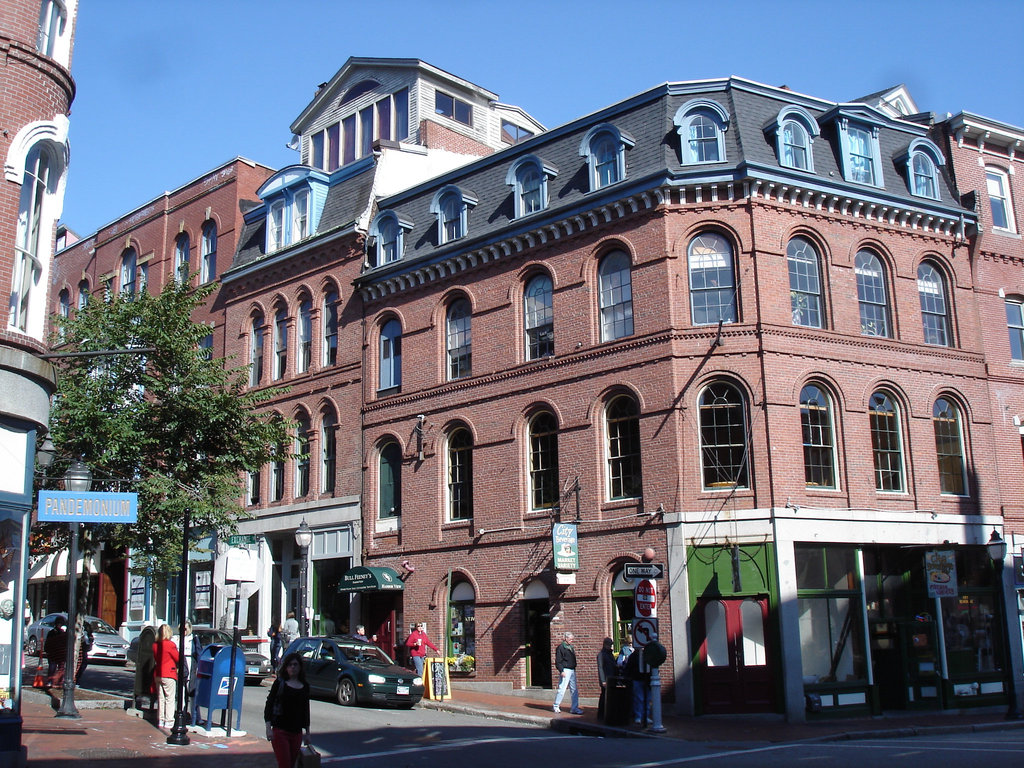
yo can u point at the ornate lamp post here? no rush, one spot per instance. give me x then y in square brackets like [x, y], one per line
[997, 552]
[77, 478]
[179, 733]
[303, 538]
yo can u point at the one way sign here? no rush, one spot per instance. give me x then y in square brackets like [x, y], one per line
[644, 570]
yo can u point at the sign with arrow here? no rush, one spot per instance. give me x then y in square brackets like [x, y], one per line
[644, 570]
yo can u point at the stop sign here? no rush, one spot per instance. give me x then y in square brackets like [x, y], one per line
[645, 599]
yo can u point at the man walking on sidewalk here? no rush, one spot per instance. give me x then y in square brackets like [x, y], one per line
[565, 663]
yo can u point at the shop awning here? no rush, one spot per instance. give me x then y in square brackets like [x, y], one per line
[366, 579]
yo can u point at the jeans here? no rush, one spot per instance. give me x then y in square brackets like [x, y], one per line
[417, 662]
[639, 687]
[568, 681]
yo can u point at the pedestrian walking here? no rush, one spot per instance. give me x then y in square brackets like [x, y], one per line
[84, 646]
[286, 712]
[56, 649]
[290, 630]
[565, 663]
[606, 670]
[418, 642]
[275, 635]
[165, 675]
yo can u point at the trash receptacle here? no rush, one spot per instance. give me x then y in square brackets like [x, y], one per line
[618, 701]
[213, 675]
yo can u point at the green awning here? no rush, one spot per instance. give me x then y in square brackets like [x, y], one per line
[365, 579]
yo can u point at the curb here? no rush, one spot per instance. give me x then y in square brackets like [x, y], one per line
[96, 699]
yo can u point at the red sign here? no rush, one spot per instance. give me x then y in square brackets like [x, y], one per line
[645, 599]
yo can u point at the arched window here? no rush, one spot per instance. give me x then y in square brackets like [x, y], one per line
[923, 176]
[462, 607]
[253, 482]
[389, 481]
[63, 311]
[886, 442]
[451, 206]
[280, 343]
[818, 437]
[275, 226]
[795, 146]
[871, 295]
[390, 355]
[83, 294]
[712, 280]
[459, 340]
[129, 272]
[302, 461]
[328, 451]
[330, 323]
[622, 427]
[793, 130]
[300, 215]
[544, 483]
[528, 176]
[33, 245]
[804, 283]
[949, 447]
[723, 437]
[182, 249]
[1000, 204]
[256, 351]
[931, 288]
[52, 22]
[208, 256]
[701, 125]
[538, 318]
[388, 234]
[460, 474]
[604, 148]
[305, 350]
[616, 296]
[277, 473]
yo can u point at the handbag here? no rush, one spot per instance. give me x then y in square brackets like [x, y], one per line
[308, 757]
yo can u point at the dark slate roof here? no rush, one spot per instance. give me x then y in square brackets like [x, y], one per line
[655, 160]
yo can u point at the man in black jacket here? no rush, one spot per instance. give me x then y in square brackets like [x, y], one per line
[606, 670]
[565, 663]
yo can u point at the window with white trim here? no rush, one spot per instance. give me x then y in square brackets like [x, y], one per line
[389, 481]
[390, 356]
[712, 280]
[305, 338]
[931, 289]
[52, 22]
[872, 294]
[182, 255]
[615, 295]
[528, 176]
[604, 147]
[208, 256]
[701, 124]
[460, 474]
[818, 437]
[513, 134]
[722, 411]
[1015, 326]
[387, 119]
[459, 340]
[886, 442]
[998, 185]
[129, 273]
[538, 318]
[861, 156]
[280, 343]
[794, 131]
[328, 452]
[804, 283]
[36, 187]
[622, 430]
[387, 239]
[544, 483]
[330, 328]
[451, 206]
[256, 337]
[949, 447]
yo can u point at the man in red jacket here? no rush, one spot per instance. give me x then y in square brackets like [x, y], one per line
[418, 642]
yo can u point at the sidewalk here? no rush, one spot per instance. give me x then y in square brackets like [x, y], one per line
[108, 736]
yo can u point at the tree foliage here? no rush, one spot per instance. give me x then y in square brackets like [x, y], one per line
[172, 425]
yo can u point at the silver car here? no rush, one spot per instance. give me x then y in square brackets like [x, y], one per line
[107, 645]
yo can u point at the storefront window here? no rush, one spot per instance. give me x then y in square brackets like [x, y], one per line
[462, 628]
[972, 632]
[831, 641]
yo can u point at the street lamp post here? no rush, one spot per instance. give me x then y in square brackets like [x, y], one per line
[77, 478]
[997, 552]
[303, 537]
[179, 733]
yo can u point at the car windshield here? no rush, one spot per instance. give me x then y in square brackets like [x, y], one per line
[99, 625]
[207, 636]
[366, 654]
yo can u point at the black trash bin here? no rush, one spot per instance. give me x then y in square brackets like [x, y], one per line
[618, 700]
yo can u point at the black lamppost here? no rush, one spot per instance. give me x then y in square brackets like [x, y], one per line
[303, 537]
[997, 552]
[179, 733]
[77, 478]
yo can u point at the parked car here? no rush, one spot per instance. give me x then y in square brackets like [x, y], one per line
[257, 666]
[107, 645]
[354, 672]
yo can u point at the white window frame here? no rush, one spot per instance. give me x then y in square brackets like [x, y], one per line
[280, 343]
[605, 134]
[802, 120]
[391, 250]
[872, 153]
[1002, 179]
[451, 207]
[515, 179]
[129, 273]
[615, 294]
[684, 120]
[304, 343]
[181, 257]
[389, 375]
[208, 257]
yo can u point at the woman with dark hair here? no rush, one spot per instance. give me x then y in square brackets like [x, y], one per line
[287, 711]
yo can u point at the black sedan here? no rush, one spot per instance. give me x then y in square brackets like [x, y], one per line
[354, 672]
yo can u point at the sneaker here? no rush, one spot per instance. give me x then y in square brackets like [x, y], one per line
[576, 711]
[556, 709]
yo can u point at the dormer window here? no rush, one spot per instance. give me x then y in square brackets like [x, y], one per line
[861, 157]
[387, 239]
[795, 130]
[701, 124]
[922, 160]
[451, 206]
[604, 147]
[513, 134]
[340, 143]
[528, 176]
[294, 198]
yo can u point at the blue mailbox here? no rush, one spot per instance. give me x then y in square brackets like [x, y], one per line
[213, 675]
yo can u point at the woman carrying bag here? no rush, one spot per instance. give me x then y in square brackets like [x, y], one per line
[287, 712]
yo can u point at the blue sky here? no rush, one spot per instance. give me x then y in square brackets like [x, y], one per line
[167, 91]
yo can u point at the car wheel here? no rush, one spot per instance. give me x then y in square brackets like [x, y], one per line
[32, 646]
[346, 692]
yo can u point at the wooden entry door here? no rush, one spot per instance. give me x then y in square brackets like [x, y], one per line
[736, 673]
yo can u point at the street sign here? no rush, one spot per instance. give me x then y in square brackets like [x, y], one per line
[241, 539]
[645, 599]
[644, 570]
[645, 631]
[78, 507]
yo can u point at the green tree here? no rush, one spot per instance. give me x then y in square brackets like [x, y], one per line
[170, 424]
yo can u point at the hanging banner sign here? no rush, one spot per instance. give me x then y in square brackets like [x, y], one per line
[566, 547]
[203, 587]
[77, 507]
[137, 587]
[940, 573]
